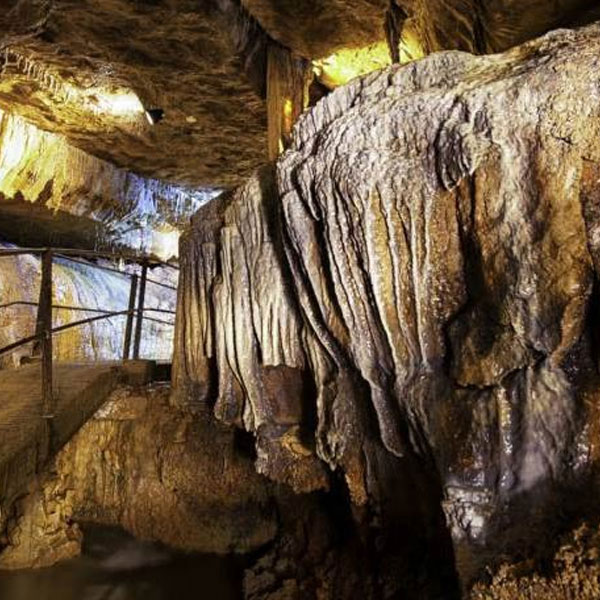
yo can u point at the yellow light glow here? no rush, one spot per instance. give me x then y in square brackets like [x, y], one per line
[288, 107]
[349, 63]
[104, 97]
[119, 104]
[410, 46]
[13, 151]
[288, 115]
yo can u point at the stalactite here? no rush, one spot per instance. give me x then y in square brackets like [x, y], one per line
[394, 21]
[288, 80]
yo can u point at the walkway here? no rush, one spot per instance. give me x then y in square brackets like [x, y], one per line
[27, 441]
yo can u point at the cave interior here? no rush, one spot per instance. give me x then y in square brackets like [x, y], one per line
[298, 299]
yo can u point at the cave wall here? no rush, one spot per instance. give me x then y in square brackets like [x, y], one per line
[163, 475]
[41, 172]
[411, 299]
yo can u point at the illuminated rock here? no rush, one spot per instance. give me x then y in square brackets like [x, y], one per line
[426, 262]
[161, 474]
[81, 285]
[42, 176]
[87, 71]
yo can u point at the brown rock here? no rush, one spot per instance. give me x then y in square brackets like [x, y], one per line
[433, 235]
[161, 474]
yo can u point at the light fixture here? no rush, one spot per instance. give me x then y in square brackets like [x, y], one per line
[154, 115]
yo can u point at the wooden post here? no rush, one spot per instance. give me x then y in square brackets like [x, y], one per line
[45, 328]
[130, 315]
[140, 312]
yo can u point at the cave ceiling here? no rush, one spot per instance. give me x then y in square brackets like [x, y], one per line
[88, 68]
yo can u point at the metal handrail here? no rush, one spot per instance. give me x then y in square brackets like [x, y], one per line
[61, 328]
[45, 331]
[80, 308]
[68, 252]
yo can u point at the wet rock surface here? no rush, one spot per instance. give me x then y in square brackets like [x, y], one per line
[114, 564]
[418, 283]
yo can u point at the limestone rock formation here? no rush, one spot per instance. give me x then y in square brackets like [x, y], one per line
[411, 301]
[89, 70]
[79, 200]
[485, 26]
[573, 573]
[237, 313]
[160, 474]
[317, 28]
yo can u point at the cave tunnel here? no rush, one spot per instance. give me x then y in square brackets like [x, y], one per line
[299, 299]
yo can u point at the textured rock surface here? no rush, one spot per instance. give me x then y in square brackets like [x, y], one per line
[574, 572]
[79, 200]
[88, 69]
[158, 473]
[485, 26]
[427, 268]
[316, 28]
[252, 331]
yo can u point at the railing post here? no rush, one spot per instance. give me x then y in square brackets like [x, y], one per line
[140, 312]
[130, 315]
[45, 329]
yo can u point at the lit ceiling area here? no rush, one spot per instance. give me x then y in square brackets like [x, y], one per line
[90, 69]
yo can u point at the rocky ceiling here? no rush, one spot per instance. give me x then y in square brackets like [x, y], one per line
[89, 68]
[486, 26]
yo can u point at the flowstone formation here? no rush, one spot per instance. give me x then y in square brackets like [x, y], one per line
[84, 285]
[409, 301]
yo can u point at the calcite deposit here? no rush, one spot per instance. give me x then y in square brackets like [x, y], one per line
[409, 300]
[79, 200]
[385, 379]
[89, 70]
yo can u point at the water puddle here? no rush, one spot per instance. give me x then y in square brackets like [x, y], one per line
[115, 566]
